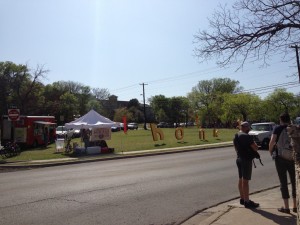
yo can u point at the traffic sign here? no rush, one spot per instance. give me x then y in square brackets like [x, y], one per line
[13, 114]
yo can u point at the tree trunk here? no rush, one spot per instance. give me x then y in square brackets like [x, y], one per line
[294, 132]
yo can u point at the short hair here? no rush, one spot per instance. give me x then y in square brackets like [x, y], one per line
[285, 117]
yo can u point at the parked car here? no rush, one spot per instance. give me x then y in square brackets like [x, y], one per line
[122, 126]
[115, 129]
[61, 132]
[133, 126]
[165, 125]
[76, 133]
[261, 133]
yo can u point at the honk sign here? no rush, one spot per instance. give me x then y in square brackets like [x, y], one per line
[158, 134]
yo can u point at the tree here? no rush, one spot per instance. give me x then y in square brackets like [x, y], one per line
[119, 113]
[241, 106]
[179, 109]
[21, 87]
[207, 97]
[253, 29]
[133, 103]
[161, 106]
[68, 106]
[101, 93]
[109, 106]
[278, 102]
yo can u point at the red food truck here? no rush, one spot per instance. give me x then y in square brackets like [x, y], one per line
[28, 130]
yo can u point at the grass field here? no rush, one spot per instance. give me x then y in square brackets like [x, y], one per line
[135, 140]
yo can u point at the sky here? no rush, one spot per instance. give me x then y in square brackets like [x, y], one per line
[121, 44]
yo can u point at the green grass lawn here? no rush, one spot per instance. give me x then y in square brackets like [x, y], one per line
[135, 140]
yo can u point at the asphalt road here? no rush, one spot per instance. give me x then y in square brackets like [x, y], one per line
[155, 190]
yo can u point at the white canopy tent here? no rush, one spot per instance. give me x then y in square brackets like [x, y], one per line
[91, 120]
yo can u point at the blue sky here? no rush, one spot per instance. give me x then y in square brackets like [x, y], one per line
[119, 44]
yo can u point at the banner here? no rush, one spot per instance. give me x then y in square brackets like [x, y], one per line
[100, 134]
[125, 124]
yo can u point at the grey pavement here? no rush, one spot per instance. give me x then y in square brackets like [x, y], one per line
[228, 213]
[232, 213]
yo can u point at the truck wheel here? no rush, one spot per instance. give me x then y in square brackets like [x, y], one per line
[265, 143]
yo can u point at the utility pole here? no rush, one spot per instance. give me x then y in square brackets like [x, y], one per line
[145, 121]
[295, 135]
[297, 56]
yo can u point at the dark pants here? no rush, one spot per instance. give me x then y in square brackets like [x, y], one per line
[283, 167]
[244, 168]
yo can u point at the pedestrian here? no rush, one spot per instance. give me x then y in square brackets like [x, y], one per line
[283, 166]
[85, 139]
[244, 144]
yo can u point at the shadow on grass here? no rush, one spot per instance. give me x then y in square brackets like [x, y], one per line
[159, 145]
[182, 142]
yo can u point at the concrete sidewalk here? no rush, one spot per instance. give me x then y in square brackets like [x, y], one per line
[232, 213]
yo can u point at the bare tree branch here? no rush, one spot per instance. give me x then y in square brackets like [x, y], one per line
[251, 29]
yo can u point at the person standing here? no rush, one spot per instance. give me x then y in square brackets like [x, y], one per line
[85, 139]
[283, 166]
[243, 144]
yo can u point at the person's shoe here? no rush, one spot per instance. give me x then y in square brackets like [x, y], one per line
[242, 202]
[283, 210]
[250, 204]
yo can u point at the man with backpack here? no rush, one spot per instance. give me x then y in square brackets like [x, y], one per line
[281, 150]
[244, 146]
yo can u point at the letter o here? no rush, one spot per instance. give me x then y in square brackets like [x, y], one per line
[179, 133]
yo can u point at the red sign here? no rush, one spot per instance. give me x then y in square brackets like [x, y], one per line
[13, 114]
[125, 124]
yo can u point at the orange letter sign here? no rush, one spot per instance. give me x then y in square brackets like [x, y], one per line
[156, 131]
[179, 133]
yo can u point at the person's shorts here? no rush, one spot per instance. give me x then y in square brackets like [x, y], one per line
[245, 168]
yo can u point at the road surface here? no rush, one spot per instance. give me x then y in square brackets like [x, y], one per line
[153, 190]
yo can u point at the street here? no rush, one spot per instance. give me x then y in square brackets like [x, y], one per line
[157, 190]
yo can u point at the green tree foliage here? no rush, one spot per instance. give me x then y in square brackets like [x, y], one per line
[172, 110]
[133, 103]
[20, 87]
[241, 106]
[280, 101]
[118, 117]
[206, 97]
[134, 107]
[179, 107]
[160, 105]
[69, 106]
[94, 104]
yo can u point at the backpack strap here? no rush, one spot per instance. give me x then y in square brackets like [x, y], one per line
[277, 138]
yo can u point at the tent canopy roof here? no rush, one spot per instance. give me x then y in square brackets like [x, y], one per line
[91, 120]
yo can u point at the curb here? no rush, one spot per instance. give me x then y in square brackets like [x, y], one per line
[142, 153]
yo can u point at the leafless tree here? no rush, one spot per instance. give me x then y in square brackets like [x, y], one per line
[250, 30]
